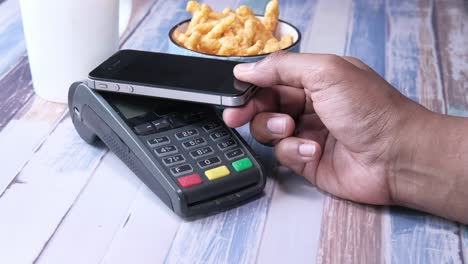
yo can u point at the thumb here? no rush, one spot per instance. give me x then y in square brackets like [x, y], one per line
[300, 155]
[293, 69]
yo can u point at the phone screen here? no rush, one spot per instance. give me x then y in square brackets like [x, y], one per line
[171, 71]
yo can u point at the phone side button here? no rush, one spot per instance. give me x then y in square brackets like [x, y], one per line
[103, 86]
[116, 87]
[129, 89]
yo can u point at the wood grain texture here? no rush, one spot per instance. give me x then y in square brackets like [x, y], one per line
[15, 78]
[38, 109]
[429, 81]
[147, 231]
[42, 194]
[413, 67]
[88, 229]
[18, 152]
[421, 238]
[452, 31]
[12, 44]
[292, 229]
[366, 38]
[352, 233]
[152, 33]
[331, 39]
[15, 91]
[412, 62]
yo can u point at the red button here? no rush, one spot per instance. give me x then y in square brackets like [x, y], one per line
[189, 180]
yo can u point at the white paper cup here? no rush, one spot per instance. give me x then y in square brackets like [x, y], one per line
[66, 39]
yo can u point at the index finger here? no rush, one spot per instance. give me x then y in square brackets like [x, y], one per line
[281, 99]
[264, 100]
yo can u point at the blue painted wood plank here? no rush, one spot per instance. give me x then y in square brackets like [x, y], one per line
[258, 6]
[420, 238]
[412, 66]
[12, 44]
[152, 34]
[15, 91]
[402, 52]
[367, 34]
[452, 30]
[15, 79]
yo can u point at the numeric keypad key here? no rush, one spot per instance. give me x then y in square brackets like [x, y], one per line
[194, 143]
[165, 151]
[211, 125]
[201, 152]
[209, 162]
[186, 134]
[158, 141]
[182, 169]
[227, 144]
[173, 160]
[219, 135]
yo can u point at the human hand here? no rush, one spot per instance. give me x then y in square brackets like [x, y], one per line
[331, 119]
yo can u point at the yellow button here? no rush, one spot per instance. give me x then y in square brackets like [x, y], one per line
[217, 173]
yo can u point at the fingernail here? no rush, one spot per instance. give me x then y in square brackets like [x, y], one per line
[243, 67]
[276, 125]
[307, 150]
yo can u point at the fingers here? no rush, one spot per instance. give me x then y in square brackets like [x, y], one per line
[282, 72]
[295, 70]
[269, 128]
[291, 101]
[279, 98]
[239, 116]
[279, 68]
[264, 100]
[300, 155]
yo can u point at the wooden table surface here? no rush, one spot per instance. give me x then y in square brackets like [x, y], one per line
[63, 201]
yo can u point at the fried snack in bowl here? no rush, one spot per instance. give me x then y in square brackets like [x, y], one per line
[238, 35]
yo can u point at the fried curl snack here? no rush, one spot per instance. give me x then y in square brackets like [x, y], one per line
[232, 33]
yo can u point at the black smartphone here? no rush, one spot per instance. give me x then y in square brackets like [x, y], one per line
[172, 76]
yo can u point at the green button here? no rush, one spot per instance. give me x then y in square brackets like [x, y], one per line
[242, 164]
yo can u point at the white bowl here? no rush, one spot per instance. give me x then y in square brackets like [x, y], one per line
[282, 29]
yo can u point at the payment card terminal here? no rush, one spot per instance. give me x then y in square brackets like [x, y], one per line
[182, 151]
